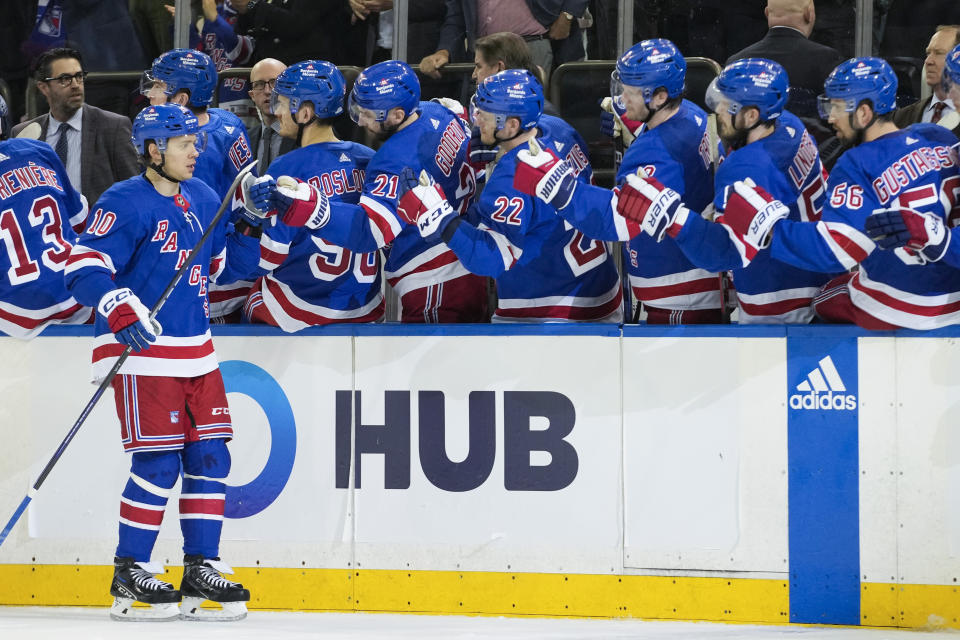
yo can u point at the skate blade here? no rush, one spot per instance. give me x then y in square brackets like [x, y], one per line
[124, 611]
[229, 611]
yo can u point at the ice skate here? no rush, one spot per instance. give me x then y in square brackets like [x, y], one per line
[135, 582]
[202, 580]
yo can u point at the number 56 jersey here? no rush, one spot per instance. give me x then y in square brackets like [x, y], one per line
[37, 207]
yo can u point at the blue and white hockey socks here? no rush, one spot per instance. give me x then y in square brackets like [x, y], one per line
[144, 499]
[205, 467]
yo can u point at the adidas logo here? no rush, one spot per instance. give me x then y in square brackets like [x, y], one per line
[911, 140]
[229, 129]
[4, 157]
[344, 158]
[792, 132]
[435, 123]
[559, 145]
[823, 389]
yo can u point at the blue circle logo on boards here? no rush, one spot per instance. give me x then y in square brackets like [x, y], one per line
[250, 499]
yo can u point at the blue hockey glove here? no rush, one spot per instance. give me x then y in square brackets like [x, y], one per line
[128, 319]
[921, 233]
[542, 174]
[249, 213]
[423, 203]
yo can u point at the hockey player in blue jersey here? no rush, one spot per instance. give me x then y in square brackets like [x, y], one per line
[886, 168]
[769, 146]
[169, 393]
[432, 284]
[924, 232]
[38, 206]
[310, 281]
[189, 78]
[545, 270]
[673, 146]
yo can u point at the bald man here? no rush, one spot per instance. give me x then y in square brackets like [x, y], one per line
[787, 41]
[265, 140]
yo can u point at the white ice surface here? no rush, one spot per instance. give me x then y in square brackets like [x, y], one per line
[34, 623]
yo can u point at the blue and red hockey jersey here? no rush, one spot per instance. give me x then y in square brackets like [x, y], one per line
[545, 269]
[310, 281]
[437, 142]
[910, 168]
[227, 49]
[677, 153]
[138, 238]
[787, 164]
[37, 206]
[226, 154]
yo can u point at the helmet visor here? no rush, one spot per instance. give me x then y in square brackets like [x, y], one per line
[181, 143]
[363, 116]
[152, 88]
[278, 103]
[833, 107]
[718, 102]
[481, 118]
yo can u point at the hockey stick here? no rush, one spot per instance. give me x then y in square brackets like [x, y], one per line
[123, 357]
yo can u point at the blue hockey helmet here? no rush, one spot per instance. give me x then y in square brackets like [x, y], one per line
[860, 79]
[510, 93]
[182, 70]
[751, 82]
[649, 65]
[951, 72]
[382, 87]
[315, 81]
[162, 122]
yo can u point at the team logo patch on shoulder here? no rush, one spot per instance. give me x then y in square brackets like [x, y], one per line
[435, 123]
[174, 417]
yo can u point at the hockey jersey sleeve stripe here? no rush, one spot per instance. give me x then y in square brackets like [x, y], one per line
[82, 257]
[928, 306]
[217, 264]
[293, 314]
[79, 220]
[385, 224]
[777, 302]
[508, 251]
[848, 245]
[646, 291]
[270, 259]
[626, 230]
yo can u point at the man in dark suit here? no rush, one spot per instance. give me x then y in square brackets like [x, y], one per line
[265, 140]
[938, 107]
[807, 63]
[93, 144]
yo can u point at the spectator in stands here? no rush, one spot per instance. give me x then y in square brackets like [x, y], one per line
[424, 18]
[938, 106]
[787, 42]
[154, 25]
[93, 144]
[265, 140]
[295, 30]
[505, 50]
[539, 22]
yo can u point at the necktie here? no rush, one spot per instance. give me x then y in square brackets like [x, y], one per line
[267, 156]
[937, 112]
[62, 148]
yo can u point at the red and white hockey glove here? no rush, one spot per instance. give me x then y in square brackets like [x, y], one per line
[298, 203]
[614, 122]
[923, 234]
[423, 204]
[542, 174]
[128, 319]
[749, 216]
[657, 209]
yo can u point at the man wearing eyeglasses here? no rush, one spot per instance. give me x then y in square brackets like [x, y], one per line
[93, 144]
[266, 140]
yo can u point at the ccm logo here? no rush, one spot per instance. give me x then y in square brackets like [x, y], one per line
[220, 411]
